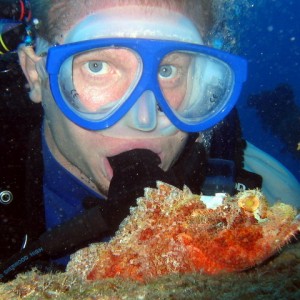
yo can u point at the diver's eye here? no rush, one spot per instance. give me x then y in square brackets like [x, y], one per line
[167, 71]
[97, 66]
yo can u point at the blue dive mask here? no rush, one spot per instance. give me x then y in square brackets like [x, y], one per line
[98, 82]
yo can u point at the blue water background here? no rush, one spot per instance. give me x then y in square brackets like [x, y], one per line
[270, 41]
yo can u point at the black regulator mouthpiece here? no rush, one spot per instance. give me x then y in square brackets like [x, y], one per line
[18, 10]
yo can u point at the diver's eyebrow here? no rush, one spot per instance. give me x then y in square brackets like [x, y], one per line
[177, 57]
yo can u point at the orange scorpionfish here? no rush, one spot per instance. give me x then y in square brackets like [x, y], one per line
[173, 231]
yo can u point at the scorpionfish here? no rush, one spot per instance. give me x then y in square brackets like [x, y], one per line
[173, 231]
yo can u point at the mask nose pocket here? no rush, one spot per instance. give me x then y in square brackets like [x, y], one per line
[143, 115]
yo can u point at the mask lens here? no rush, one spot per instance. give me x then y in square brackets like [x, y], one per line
[95, 83]
[196, 86]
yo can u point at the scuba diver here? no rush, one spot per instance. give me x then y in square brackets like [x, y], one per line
[131, 93]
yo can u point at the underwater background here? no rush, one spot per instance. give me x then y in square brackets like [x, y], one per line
[269, 107]
[268, 33]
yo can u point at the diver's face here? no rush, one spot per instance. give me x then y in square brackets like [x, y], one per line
[84, 153]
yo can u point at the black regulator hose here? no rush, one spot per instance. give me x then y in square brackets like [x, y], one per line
[133, 171]
[57, 242]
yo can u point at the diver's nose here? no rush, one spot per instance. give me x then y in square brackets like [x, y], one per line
[143, 115]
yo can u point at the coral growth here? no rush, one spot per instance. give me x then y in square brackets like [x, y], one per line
[172, 231]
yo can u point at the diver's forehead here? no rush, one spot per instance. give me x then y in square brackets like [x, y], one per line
[134, 22]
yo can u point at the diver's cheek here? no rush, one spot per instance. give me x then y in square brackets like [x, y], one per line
[172, 148]
[108, 171]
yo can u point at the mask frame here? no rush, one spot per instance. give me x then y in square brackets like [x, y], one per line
[151, 52]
